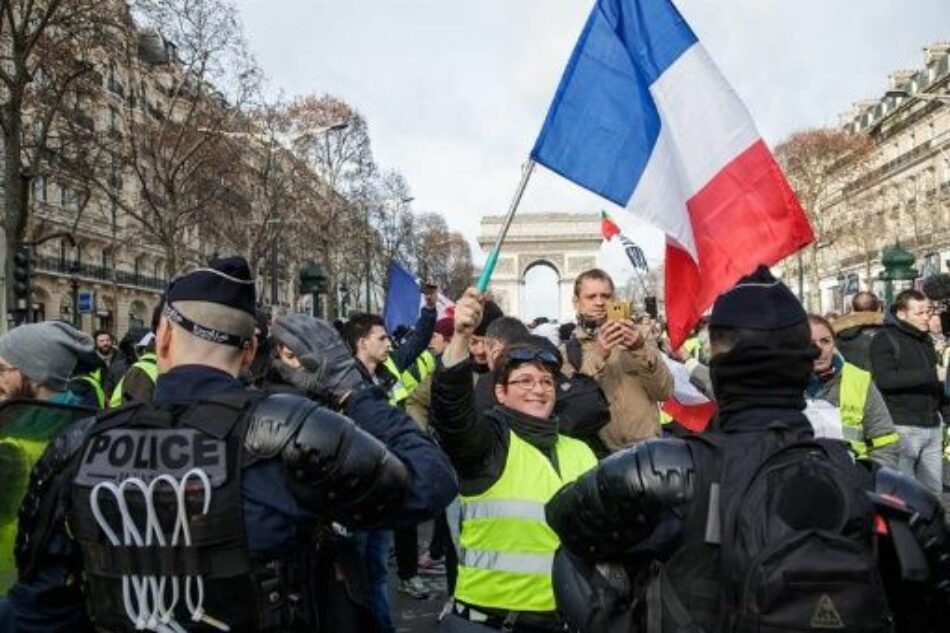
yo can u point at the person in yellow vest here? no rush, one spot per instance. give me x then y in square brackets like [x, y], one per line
[88, 381]
[36, 361]
[510, 459]
[842, 401]
[139, 381]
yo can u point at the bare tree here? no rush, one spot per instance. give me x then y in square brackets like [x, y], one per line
[186, 87]
[333, 140]
[47, 53]
[819, 165]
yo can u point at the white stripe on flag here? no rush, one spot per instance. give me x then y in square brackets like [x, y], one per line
[704, 126]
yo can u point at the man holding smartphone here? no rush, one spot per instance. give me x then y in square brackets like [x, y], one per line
[623, 360]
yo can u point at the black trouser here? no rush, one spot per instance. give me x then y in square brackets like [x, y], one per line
[441, 546]
[407, 552]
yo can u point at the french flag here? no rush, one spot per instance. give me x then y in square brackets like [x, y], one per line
[643, 117]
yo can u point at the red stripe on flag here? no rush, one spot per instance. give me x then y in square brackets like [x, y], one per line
[608, 229]
[747, 215]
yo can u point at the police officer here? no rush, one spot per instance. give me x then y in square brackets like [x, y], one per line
[754, 525]
[196, 511]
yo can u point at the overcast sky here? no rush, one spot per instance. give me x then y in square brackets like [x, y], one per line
[455, 91]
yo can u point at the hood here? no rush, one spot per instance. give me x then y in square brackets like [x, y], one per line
[857, 320]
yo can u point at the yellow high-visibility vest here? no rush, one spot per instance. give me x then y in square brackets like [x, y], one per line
[507, 547]
[855, 384]
[147, 363]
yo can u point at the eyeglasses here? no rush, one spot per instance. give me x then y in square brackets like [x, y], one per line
[528, 383]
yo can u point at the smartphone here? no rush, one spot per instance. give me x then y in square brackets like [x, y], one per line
[618, 310]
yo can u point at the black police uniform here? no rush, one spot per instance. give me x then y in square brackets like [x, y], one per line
[656, 509]
[222, 489]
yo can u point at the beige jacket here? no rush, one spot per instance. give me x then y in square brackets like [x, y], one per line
[634, 382]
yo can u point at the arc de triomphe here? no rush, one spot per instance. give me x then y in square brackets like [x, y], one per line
[566, 242]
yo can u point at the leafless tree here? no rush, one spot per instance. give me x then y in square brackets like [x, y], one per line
[820, 164]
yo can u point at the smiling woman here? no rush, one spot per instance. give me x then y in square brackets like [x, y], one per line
[511, 460]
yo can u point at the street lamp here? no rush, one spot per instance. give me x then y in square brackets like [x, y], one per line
[313, 282]
[898, 267]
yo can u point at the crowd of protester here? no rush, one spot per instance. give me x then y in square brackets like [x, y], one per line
[525, 412]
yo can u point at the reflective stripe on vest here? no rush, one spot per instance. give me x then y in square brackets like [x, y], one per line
[398, 392]
[506, 545]
[855, 385]
[96, 387]
[147, 363]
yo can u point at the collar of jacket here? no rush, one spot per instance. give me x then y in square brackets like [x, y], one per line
[907, 328]
[857, 321]
[539, 432]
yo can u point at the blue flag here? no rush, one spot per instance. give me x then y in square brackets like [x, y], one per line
[402, 298]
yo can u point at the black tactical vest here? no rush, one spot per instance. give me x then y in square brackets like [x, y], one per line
[142, 452]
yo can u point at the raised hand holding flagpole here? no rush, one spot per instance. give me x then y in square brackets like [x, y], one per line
[492, 260]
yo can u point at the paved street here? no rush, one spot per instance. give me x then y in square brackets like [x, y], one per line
[417, 616]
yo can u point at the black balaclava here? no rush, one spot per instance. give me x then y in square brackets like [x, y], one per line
[759, 373]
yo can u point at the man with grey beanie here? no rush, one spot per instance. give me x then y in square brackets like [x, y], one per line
[37, 360]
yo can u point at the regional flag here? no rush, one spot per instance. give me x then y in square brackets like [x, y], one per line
[643, 117]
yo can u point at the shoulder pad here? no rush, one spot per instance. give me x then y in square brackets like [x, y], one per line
[662, 470]
[273, 422]
[65, 445]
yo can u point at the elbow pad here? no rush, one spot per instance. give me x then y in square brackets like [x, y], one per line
[614, 509]
[332, 465]
[927, 524]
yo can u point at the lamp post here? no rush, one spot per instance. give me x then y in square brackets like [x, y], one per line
[898, 267]
[313, 282]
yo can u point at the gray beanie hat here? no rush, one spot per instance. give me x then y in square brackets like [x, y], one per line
[45, 352]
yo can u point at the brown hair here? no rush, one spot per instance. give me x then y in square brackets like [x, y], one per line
[817, 319]
[595, 274]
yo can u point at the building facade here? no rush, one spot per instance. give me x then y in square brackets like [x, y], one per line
[903, 194]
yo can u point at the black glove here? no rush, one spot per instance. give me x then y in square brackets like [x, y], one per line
[329, 370]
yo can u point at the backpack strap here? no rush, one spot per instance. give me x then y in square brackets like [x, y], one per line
[894, 344]
[575, 354]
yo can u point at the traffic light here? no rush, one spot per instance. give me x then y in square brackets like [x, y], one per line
[22, 276]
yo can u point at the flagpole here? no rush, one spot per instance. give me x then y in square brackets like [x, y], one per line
[485, 277]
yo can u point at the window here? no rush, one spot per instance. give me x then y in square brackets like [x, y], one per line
[39, 189]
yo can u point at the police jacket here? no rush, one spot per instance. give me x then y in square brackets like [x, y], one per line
[633, 506]
[277, 513]
[904, 368]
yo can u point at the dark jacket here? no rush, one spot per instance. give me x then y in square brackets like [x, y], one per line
[904, 368]
[853, 335]
[476, 439]
[417, 342]
[273, 516]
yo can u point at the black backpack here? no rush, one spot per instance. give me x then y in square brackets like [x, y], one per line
[582, 407]
[779, 539]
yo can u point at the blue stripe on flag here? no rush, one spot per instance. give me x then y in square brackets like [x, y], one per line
[402, 298]
[603, 123]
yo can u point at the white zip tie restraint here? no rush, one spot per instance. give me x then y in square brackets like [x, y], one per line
[149, 608]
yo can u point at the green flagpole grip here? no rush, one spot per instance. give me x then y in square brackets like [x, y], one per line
[485, 277]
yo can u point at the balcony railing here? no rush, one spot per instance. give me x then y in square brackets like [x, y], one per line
[58, 266]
